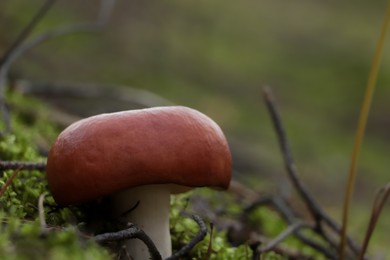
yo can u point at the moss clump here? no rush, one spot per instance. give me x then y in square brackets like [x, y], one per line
[183, 229]
[26, 240]
[21, 236]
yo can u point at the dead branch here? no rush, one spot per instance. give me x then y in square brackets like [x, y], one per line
[282, 236]
[9, 181]
[194, 241]
[132, 232]
[20, 46]
[8, 57]
[291, 219]
[379, 202]
[29, 166]
[27, 30]
[312, 204]
[126, 94]
[319, 215]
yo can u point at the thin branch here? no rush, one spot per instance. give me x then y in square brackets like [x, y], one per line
[9, 181]
[210, 246]
[255, 253]
[132, 232]
[312, 204]
[380, 200]
[288, 215]
[315, 209]
[20, 48]
[194, 241]
[8, 57]
[278, 203]
[28, 166]
[291, 229]
[318, 247]
[27, 30]
[126, 94]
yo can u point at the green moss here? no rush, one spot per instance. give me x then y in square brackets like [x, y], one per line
[20, 233]
[21, 236]
[183, 229]
[25, 240]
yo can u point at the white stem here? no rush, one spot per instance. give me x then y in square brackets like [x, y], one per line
[151, 215]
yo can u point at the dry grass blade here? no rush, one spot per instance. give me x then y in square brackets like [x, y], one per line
[9, 181]
[379, 203]
[210, 247]
[363, 116]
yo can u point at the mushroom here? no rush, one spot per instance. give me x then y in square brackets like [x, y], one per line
[139, 157]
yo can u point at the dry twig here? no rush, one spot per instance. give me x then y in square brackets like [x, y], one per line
[20, 46]
[28, 166]
[319, 215]
[9, 181]
[194, 241]
[132, 232]
[291, 219]
[380, 200]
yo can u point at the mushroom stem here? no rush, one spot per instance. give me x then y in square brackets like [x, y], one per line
[149, 210]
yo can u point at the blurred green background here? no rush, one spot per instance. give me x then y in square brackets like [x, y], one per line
[216, 56]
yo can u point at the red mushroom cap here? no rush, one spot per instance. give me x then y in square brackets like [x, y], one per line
[107, 153]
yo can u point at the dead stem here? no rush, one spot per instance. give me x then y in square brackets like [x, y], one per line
[194, 241]
[319, 215]
[379, 202]
[363, 116]
[9, 181]
[28, 166]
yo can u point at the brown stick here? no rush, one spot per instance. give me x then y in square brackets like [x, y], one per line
[315, 209]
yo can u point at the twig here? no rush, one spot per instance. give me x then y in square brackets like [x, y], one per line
[9, 181]
[194, 241]
[278, 203]
[282, 236]
[379, 202]
[29, 166]
[289, 216]
[312, 204]
[106, 7]
[210, 246]
[255, 253]
[132, 232]
[316, 246]
[317, 212]
[8, 57]
[27, 30]
[18, 49]
[125, 94]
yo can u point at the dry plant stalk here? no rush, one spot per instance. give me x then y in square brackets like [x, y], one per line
[363, 116]
[379, 203]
